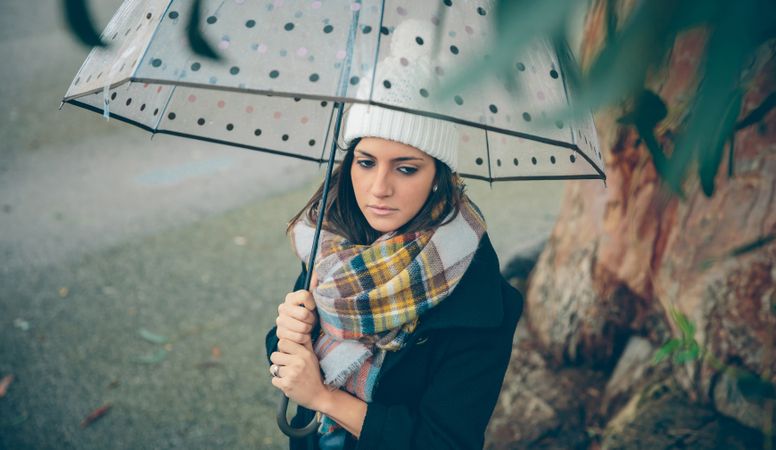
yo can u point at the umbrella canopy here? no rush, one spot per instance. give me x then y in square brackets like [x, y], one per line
[286, 63]
[288, 68]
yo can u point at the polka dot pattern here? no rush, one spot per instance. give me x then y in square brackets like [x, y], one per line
[299, 49]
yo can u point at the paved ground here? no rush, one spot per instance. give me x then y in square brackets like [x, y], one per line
[144, 274]
[72, 333]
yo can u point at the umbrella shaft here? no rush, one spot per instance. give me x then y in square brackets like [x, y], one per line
[282, 420]
[324, 196]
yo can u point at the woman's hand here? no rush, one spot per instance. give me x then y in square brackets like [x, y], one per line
[299, 375]
[296, 316]
[297, 372]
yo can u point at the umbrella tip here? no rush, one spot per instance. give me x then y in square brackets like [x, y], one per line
[61, 104]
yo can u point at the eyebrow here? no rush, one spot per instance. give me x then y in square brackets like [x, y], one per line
[401, 158]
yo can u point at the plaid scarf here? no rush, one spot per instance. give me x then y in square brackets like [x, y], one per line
[369, 297]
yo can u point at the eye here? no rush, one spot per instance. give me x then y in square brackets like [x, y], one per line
[365, 163]
[407, 170]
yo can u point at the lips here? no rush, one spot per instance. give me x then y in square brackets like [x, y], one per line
[381, 210]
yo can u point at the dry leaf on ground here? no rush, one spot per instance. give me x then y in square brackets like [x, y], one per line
[4, 383]
[96, 414]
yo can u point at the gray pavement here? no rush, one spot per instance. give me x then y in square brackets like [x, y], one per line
[110, 241]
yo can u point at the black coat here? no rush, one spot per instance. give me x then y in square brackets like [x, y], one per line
[439, 391]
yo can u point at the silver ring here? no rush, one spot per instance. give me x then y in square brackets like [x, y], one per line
[273, 369]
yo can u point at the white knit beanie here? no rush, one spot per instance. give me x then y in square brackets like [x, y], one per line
[434, 137]
[403, 82]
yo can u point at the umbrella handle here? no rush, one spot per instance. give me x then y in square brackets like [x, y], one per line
[311, 427]
[286, 428]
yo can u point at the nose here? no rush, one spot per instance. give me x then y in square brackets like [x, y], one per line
[381, 184]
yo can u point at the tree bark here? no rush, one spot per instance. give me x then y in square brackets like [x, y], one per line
[621, 257]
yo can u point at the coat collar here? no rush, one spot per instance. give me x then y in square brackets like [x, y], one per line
[477, 300]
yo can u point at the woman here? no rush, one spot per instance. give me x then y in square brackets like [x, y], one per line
[406, 336]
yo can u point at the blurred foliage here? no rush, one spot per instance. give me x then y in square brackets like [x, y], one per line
[634, 47]
[197, 42]
[741, 250]
[79, 21]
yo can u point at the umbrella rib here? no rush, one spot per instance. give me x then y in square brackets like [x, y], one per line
[487, 149]
[589, 161]
[531, 177]
[148, 44]
[571, 127]
[520, 134]
[142, 57]
[164, 109]
[328, 130]
[377, 52]
[237, 144]
[140, 61]
[565, 87]
[342, 86]
[191, 136]
[112, 115]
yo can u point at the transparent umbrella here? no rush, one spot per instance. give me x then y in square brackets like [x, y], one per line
[288, 69]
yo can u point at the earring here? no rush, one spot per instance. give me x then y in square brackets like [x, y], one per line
[434, 189]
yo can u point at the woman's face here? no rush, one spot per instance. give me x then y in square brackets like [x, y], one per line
[391, 181]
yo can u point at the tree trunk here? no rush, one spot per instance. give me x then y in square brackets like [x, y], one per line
[621, 257]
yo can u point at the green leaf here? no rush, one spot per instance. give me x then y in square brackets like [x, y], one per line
[659, 159]
[197, 41]
[649, 110]
[665, 350]
[572, 74]
[710, 160]
[754, 245]
[706, 263]
[153, 358]
[622, 64]
[741, 250]
[152, 337]
[690, 331]
[758, 113]
[79, 19]
[683, 324]
[517, 24]
[521, 19]
[683, 357]
[693, 349]
[692, 14]
[611, 20]
[754, 388]
[441, 14]
[730, 44]
[15, 421]
[731, 155]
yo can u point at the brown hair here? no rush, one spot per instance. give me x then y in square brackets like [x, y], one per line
[343, 216]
